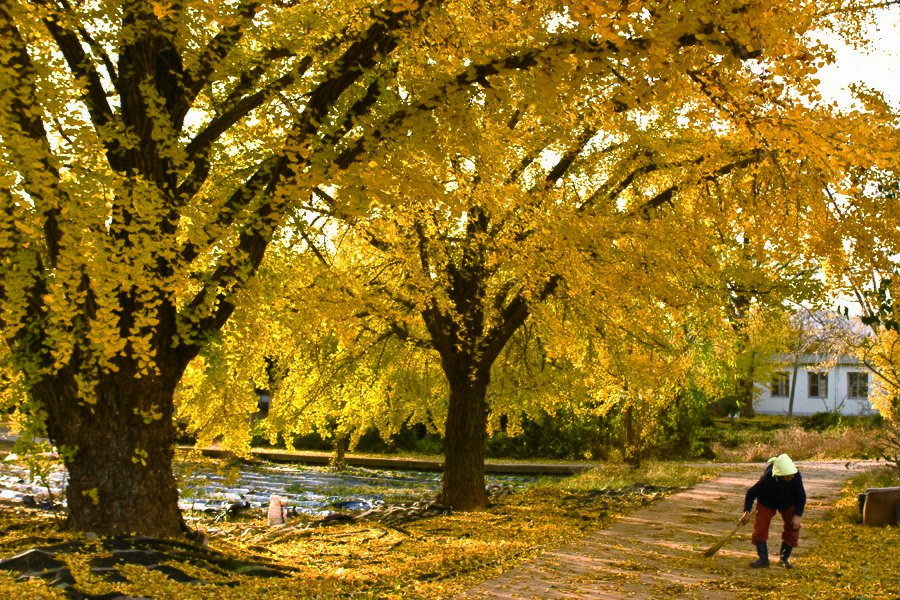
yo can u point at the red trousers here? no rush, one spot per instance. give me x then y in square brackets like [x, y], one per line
[763, 519]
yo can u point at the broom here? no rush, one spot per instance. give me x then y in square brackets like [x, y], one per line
[718, 545]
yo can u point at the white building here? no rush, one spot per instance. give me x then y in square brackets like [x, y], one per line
[832, 385]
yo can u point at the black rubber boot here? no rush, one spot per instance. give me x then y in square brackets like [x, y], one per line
[785, 554]
[763, 551]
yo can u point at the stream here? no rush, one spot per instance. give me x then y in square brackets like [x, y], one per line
[310, 490]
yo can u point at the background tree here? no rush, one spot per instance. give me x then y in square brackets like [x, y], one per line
[874, 289]
[495, 205]
[641, 207]
[864, 264]
[882, 356]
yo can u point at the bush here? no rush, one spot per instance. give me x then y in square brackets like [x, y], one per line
[681, 424]
[561, 436]
[683, 430]
[725, 406]
[822, 421]
[310, 441]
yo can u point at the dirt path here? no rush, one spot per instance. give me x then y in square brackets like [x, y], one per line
[657, 551]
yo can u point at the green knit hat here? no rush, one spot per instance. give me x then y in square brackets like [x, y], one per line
[783, 465]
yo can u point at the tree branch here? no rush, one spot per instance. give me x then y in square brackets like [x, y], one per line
[665, 196]
[233, 270]
[611, 190]
[513, 316]
[520, 61]
[96, 48]
[230, 275]
[197, 150]
[212, 57]
[40, 180]
[83, 68]
[560, 169]
[239, 200]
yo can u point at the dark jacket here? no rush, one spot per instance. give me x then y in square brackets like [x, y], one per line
[777, 494]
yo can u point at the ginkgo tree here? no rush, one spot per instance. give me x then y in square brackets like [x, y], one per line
[151, 152]
[681, 173]
[479, 250]
[619, 192]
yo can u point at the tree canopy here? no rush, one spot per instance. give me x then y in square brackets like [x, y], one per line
[617, 194]
[619, 160]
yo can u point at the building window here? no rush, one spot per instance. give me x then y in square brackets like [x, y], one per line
[781, 384]
[858, 385]
[818, 385]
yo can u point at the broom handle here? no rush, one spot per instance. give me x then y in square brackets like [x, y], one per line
[715, 547]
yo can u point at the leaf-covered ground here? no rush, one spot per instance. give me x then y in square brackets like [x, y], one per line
[428, 558]
[847, 561]
[439, 556]
[658, 552]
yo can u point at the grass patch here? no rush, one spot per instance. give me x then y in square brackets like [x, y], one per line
[661, 474]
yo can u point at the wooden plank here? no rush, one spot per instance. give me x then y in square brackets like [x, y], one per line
[409, 464]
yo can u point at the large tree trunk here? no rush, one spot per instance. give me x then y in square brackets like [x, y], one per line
[117, 443]
[465, 434]
[338, 460]
[468, 350]
[745, 396]
[632, 443]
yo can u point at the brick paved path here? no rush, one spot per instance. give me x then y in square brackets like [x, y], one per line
[657, 551]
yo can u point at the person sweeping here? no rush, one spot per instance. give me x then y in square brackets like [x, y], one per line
[779, 490]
